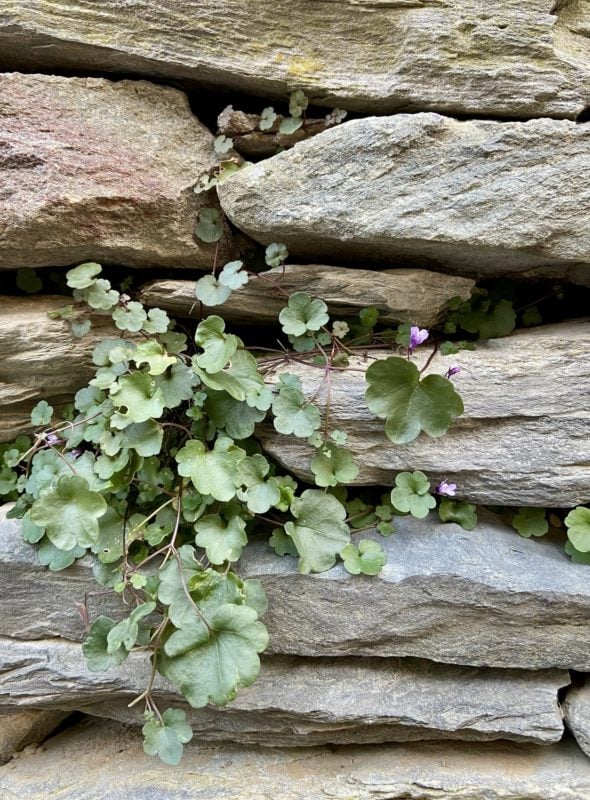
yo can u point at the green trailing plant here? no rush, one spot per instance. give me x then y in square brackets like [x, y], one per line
[155, 472]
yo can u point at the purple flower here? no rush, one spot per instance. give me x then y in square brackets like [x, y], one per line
[53, 438]
[452, 371]
[417, 336]
[446, 488]
[75, 453]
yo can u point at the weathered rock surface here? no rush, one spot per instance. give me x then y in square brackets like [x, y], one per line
[523, 440]
[484, 597]
[576, 709]
[251, 142]
[401, 295]
[115, 768]
[473, 197]
[66, 198]
[507, 59]
[21, 728]
[40, 358]
[304, 701]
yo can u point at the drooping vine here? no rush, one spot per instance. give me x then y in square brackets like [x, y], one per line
[155, 469]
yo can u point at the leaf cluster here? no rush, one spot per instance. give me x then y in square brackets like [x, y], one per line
[155, 471]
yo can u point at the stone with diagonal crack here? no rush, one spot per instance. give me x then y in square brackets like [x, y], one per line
[23, 727]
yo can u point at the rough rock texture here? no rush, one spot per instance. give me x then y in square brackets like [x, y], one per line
[484, 597]
[305, 701]
[40, 358]
[401, 295]
[66, 199]
[576, 709]
[38, 603]
[504, 58]
[473, 197]
[523, 440]
[23, 727]
[104, 761]
[252, 143]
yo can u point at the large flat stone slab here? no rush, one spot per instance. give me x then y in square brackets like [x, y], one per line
[40, 359]
[480, 198]
[93, 170]
[523, 440]
[104, 761]
[418, 296]
[504, 59]
[576, 709]
[484, 598]
[304, 701]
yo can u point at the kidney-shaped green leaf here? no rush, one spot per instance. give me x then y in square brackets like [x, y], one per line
[409, 404]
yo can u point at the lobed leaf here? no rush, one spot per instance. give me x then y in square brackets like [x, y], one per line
[69, 513]
[409, 404]
[368, 558]
[461, 512]
[211, 472]
[303, 314]
[213, 666]
[530, 522]
[319, 530]
[577, 523]
[223, 540]
[166, 739]
[411, 494]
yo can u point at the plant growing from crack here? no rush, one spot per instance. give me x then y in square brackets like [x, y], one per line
[155, 472]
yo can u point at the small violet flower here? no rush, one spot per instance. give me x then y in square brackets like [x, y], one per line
[417, 336]
[445, 488]
[75, 453]
[452, 371]
[52, 438]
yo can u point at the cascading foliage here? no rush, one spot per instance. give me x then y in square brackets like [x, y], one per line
[154, 470]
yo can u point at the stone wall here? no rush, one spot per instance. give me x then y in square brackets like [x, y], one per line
[465, 158]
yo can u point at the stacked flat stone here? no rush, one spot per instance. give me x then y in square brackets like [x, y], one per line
[390, 686]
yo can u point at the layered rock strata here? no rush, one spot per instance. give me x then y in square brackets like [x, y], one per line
[423, 771]
[477, 197]
[342, 700]
[504, 59]
[576, 709]
[523, 439]
[401, 295]
[41, 358]
[482, 598]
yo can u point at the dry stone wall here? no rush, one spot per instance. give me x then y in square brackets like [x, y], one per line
[465, 159]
